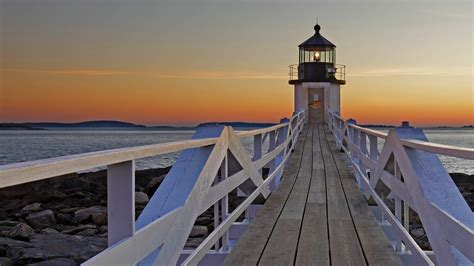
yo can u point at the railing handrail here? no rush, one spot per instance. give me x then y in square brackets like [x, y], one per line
[442, 149]
[409, 166]
[24, 172]
[130, 245]
[340, 71]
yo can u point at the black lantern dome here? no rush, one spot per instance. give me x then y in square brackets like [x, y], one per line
[317, 60]
[317, 40]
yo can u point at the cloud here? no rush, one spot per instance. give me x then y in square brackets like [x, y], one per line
[154, 74]
[421, 71]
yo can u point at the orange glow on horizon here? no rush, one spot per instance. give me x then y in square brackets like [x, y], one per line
[34, 97]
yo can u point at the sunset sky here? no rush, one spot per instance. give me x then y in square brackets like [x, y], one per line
[185, 62]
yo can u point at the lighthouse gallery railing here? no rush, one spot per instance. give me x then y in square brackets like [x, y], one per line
[409, 166]
[161, 231]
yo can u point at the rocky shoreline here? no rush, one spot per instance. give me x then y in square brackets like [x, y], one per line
[63, 220]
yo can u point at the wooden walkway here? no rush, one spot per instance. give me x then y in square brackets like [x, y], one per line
[317, 215]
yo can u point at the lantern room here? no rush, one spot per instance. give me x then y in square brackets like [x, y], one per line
[317, 61]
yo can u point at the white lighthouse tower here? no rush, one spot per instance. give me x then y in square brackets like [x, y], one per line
[317, 78]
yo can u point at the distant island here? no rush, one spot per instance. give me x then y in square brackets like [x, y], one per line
[17, 126]
[118, 125]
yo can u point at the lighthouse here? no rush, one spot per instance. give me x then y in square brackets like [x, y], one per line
[317, 79]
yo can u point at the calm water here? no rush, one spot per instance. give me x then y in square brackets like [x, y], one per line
[19, 146]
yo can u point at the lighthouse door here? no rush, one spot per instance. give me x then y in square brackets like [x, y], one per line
[316, 105]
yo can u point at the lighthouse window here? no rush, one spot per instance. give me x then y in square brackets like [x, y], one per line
[320, 55]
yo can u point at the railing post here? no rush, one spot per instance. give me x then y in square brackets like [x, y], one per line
[398, 207]
[351, 136]
[257, 147]
[224, 208]
[120, 201]
[271, 164]
[282, 136]
[363, 149]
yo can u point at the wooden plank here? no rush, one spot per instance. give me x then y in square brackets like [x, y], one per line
[343, 240]
[313, 246]
[336, 201]
[373, 241]
[282, 245]
[345, 248]
[252, 243]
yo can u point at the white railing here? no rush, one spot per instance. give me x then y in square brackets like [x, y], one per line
[409, 166]
[212, 164]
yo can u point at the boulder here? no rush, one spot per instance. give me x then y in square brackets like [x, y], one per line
[85, 215]
[78, 229]
[49, 231]
[35, 207]
[8, 242]
[87, 232]
[14, 204]
[56, 262]
[418, 232]
[3, 214]
[6, 261]
[41, 219]
[64, 218]
[199, 231]
[141, 198]
[204, 220]
[70, 210]
[100, 218]
[193, 242]
[47, 247]
[8, 223]
[21, 232]
[103, 229]
[151, 187]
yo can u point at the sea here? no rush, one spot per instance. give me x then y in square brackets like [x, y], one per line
[27, 145]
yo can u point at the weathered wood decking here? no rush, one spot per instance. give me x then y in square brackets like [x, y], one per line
[317, 215]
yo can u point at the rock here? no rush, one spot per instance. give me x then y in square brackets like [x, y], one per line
[85, 215]
[70, 210]
[64, 218]
[141, 198]
[78, 229]
[418, 232]
[193, 242]
[103, 229]
[151, 187]
[3, 214]
[204, 221]
[100, 218]
[35, 207]
[49, 231]
[21, 232]
[199, 231]
[8, 223]
[14, 204]
[8, 242]
[41, 219]
[87, 232]
[6, 261]
[47, 247]
[56, 262]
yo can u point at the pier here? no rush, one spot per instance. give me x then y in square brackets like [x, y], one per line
[310, 209]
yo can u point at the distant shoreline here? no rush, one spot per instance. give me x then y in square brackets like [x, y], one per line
[120, 125]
